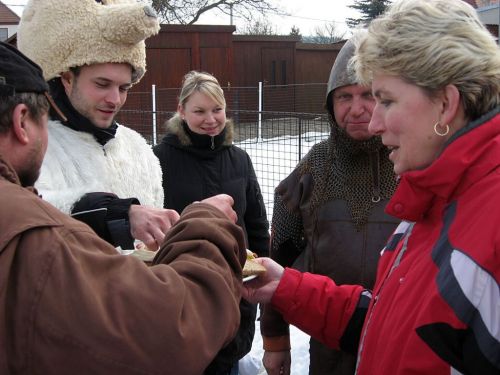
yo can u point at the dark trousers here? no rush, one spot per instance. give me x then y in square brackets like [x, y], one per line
[326, 361]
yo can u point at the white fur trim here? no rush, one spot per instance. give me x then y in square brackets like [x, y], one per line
[76, 164]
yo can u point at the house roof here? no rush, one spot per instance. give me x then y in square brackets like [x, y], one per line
[7, 16]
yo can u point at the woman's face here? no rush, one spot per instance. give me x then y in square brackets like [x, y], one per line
[203, 115]
[404, 116]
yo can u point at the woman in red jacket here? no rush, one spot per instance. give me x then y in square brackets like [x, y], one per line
[435, 307]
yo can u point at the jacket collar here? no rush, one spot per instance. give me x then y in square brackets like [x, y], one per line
[469, 155]
[8, 173]
[187, 138]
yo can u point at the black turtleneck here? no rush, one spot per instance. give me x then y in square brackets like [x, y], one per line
[204, 141]
[76, 120]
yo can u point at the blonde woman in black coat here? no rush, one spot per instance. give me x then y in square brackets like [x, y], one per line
[198, 160]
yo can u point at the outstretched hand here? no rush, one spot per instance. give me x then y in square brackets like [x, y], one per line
[150, 224]
[277, 363]
[224, 203]
[262, 288]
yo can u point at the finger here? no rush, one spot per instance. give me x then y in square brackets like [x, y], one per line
[158, 236]
[148, 241]
[173, 216]
[167, 220]
[229, 199]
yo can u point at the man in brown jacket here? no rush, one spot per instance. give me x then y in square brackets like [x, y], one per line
[70, 303]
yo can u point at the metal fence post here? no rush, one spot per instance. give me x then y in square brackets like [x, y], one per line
[153, 98]
[300, 139]
[259, 131]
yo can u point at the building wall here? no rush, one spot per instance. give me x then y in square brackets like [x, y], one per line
[240, 62]
[176, 50]
[9, 31]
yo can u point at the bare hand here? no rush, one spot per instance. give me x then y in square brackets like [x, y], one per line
[224, 203]
[149, 224]
[277, 363]
[262, 288]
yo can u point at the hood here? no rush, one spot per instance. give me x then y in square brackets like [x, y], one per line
[341, 74]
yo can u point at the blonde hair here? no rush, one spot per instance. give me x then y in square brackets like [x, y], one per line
[204, 83]
[434, 43]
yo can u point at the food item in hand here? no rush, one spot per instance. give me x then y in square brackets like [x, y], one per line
[139, 245]
[143, 252]
[251, 267]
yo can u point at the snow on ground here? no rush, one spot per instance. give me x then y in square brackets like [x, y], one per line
[274, 158]
[280, 153]
[300, 354]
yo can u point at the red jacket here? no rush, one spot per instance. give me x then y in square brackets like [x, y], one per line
[436, 302]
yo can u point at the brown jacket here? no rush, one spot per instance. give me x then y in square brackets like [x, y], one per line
[72, 305]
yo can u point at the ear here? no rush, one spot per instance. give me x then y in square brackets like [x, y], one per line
[181, 110]
[67, 79]
[19, 123]
[451, 106]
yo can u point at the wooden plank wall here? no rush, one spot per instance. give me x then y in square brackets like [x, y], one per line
[239, 62]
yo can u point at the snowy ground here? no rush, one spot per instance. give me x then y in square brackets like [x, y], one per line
[300, 354]
[260, 152]
[274, 158]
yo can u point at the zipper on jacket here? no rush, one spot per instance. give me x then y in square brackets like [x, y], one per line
[212, 143]
[375, 297]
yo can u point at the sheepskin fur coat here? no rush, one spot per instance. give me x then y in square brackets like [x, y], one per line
[76, 164]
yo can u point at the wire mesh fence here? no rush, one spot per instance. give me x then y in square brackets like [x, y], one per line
[147, 111]
[275, 139]
[285, 139]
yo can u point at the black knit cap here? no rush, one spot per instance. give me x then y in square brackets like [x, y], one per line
[19, 74]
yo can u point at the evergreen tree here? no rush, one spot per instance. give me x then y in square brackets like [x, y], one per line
[369, 9]
[295, 31]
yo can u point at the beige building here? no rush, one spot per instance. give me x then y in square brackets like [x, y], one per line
[8, 22]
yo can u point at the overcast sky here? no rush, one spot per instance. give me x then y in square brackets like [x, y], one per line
[305, 14]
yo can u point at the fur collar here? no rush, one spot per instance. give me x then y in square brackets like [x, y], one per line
[174, 126]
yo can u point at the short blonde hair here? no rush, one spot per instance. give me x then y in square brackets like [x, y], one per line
[203, 82]
[433, 43]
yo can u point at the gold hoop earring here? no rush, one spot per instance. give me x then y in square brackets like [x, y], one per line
[447, 127]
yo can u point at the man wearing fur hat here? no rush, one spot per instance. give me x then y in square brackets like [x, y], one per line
[329, 214]
[66, 307]
[91, 54]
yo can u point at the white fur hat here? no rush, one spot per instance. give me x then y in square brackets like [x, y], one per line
[61, 34]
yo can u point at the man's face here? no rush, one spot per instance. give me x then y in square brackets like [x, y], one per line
[99, 91]
[353, 107]
[29, 171]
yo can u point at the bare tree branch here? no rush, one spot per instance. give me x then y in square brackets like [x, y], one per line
[188, 12]
[258, 27]
[326, 34]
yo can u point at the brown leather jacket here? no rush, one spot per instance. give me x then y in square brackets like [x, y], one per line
[72, 305]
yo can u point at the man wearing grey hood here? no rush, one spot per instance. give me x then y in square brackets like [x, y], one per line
[329, 214]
